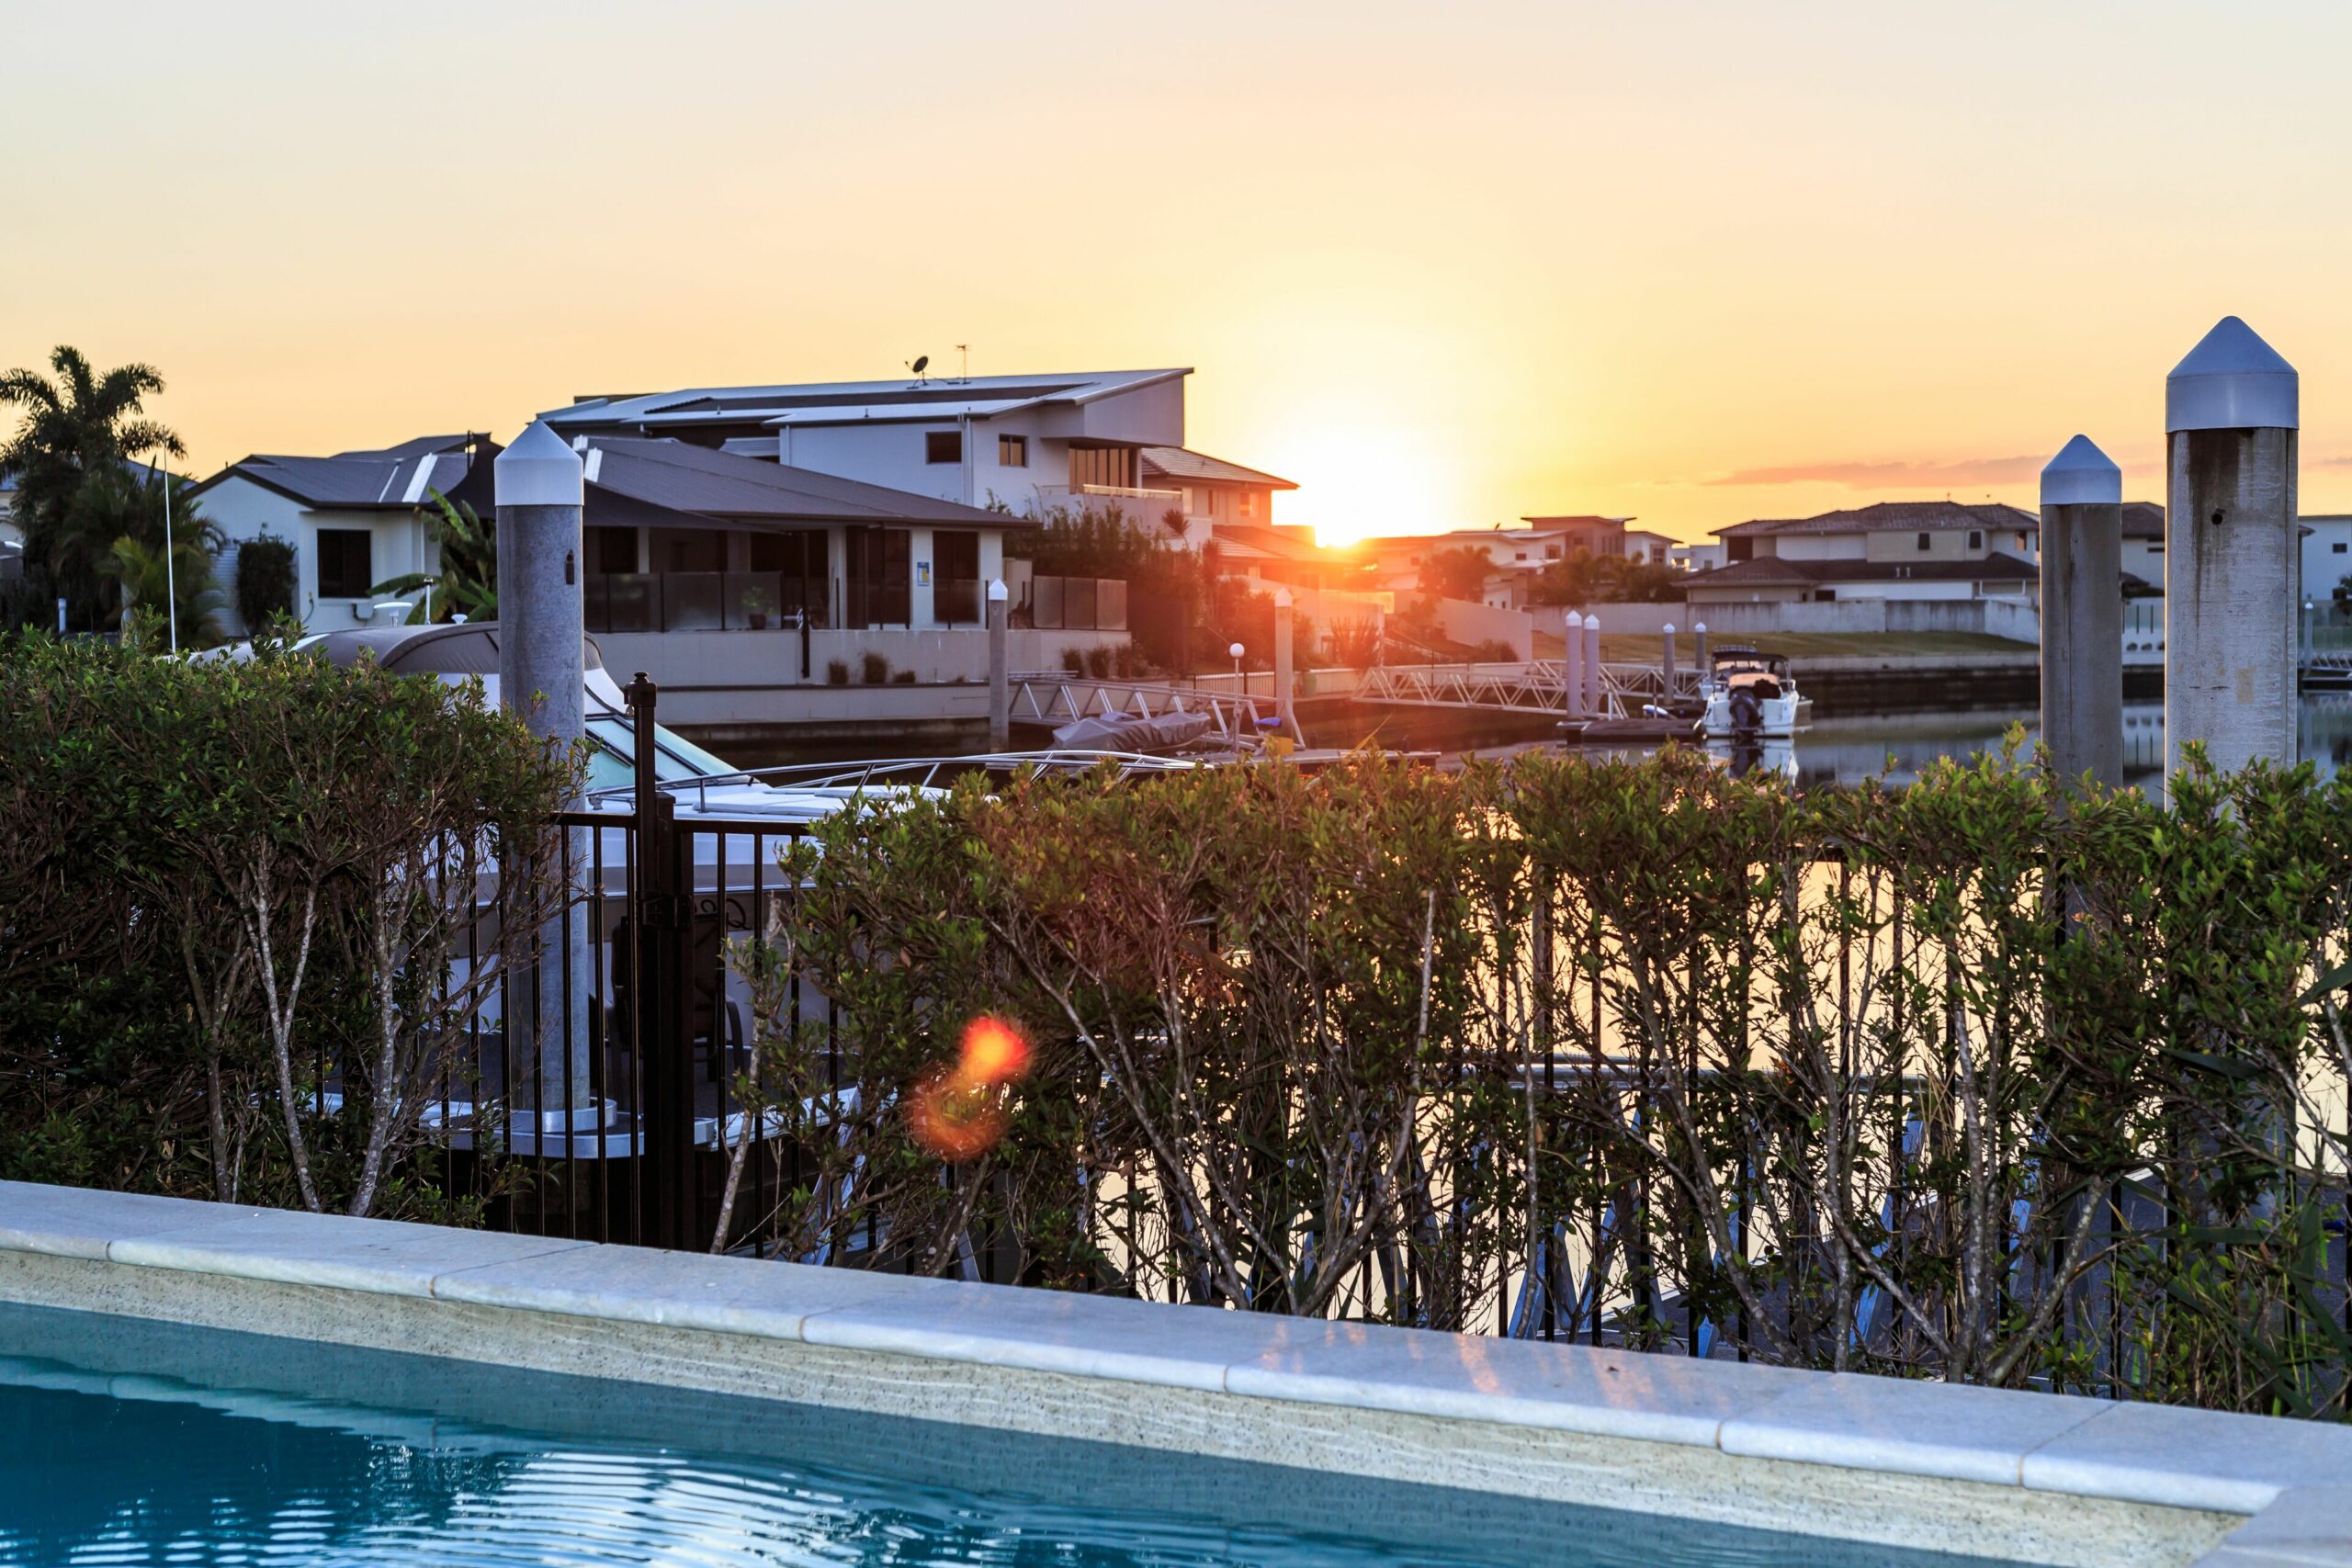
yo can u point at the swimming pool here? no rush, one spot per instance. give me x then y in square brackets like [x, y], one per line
[127, 1442]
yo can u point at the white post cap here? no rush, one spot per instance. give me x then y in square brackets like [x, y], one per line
[997, 593]
[1282, 599]
[1669, 628]
[1701, 629]
[2233, 381]
[538, 471]
[2081, 475]
[1575, 621]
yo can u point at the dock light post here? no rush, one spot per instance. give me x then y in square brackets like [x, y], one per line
[1281, 656]
[1572, 668]
[2231, 561]
[2082, 614]
[1239, 688]
[1000, 672]
[1592, 692]
[539, 490]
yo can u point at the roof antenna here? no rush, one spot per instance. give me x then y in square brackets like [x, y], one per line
[920, 363]
[965, 350]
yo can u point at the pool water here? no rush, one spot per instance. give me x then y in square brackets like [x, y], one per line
[124, 1442]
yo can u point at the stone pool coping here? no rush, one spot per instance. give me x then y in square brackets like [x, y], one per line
[2293, 1478]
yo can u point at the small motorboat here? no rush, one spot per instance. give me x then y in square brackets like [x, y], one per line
[1750, 696]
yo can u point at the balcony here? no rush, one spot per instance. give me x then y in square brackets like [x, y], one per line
[1155, 501]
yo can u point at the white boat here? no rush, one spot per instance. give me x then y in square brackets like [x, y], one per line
[1752, 696]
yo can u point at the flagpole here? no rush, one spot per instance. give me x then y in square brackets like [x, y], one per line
[171, 578]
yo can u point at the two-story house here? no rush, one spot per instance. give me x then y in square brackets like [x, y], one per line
[1213, 494]
[1895, 549]
[1025, 443]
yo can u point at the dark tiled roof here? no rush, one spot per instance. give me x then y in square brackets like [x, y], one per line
[676, 477]
[1890, 516]
[2142, 520]
[1181, 463]
[394, 478]
[1775, 571]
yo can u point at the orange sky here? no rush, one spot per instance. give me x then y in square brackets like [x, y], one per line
[1440, 264]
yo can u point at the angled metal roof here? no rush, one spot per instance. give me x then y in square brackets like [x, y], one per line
[836, 402]
[1181, 463]
[704, 485]
[392, 478]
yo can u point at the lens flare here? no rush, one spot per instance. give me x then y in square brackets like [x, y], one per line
[994, 1051]
[958, 1113]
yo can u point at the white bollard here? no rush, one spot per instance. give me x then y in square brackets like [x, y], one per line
[537, 486]
[1283, 661]
[1572, 668]
[999, 671]
[1593, 696]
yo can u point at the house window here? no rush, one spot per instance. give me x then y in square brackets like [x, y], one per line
[1112, 467]
[943, 446]
[1976, 538]
[1248, 504]
[1923, 541]
[346, 562]
[2337, 548]
[612, 550]
[1519, 555]
[2022, 544]
[1012, 451]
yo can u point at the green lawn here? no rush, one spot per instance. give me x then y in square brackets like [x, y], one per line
[1801, 645]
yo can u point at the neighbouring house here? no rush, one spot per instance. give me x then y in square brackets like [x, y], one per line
[354, 519]
[1027, 443]
[1649, 548]
[2143, 549]
[1288, 556]
[1695, 557]
[1213, 494]
[1897, 549]
[1515, 556]
[2327, 555]
[720, 574]
[12, 537]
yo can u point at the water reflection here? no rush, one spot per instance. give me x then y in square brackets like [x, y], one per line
[1853, 747]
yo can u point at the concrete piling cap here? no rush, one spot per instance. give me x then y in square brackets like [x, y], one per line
[538, 471]
[1575, 621]
[2233, 381]
[2081, 475]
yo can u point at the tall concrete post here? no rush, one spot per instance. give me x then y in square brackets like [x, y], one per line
[1283, 657]
[2232, 558]
[1699, 650]
[539, 495]
[1000, 672]
[1592, 692]
[1666, 663]
[1572, 667]
[2082, 614]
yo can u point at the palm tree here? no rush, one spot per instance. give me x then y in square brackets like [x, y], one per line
[81, 426]
[467, 584]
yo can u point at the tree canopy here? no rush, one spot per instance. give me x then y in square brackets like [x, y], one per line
[76, 435]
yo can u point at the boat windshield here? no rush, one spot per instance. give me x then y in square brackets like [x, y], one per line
[676, 760]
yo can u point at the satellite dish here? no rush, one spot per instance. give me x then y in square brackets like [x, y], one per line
[922, 363]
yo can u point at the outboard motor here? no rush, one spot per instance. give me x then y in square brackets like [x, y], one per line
[1746, 713]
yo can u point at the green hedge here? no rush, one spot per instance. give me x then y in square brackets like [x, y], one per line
[1986, 1077]
[221, 880]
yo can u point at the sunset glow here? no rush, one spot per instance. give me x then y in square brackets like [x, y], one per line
[1690, 265]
